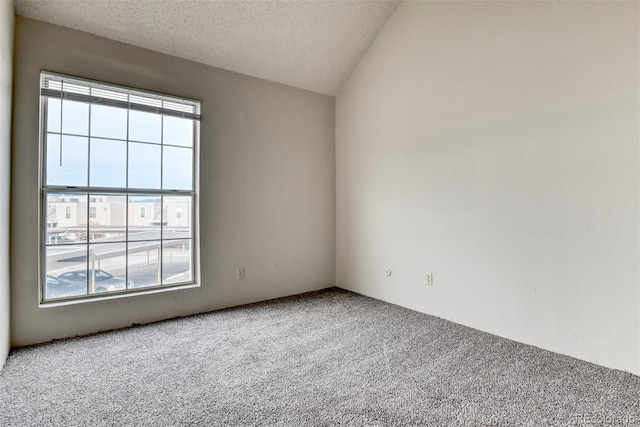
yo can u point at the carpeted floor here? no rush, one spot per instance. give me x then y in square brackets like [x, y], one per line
[321, 359]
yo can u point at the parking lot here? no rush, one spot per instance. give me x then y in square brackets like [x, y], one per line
[132, 265]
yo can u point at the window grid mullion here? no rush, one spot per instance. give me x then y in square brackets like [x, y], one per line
[160, 252]
[126, 201]
[109, 190]
[121, 139]
[61, 115]
[90, 273]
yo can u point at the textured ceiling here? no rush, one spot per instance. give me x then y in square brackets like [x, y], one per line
[312, 45]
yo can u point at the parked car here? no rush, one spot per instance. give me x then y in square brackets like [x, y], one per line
[105, 282]
[60, 239]
[58, 288]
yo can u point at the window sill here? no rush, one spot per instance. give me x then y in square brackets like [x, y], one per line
[97, 298]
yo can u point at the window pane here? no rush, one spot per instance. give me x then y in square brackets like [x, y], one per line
[177, 131]
[108, 163]
[53, 115]
[145, 217]
[67, 160]
[144, 126]
[107, 267]
[66, 218]
[66, 271]
[176, 262]
[110, 215]
[177, 217]
[144, 265]
[108, 122]
[144, 165]
[75, 118]
[177, 168]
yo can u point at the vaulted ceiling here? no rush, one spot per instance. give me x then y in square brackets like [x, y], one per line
[312, 45]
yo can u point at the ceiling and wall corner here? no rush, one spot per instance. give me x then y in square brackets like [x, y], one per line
[313, 45]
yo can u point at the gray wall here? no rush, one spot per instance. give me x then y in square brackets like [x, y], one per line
[495, 144]
[267, 199]
[6, 62]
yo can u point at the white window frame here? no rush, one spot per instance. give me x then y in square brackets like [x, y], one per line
[168, 107]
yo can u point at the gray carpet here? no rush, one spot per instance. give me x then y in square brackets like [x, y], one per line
[321, 359]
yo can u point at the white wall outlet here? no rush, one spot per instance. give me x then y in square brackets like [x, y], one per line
[240, 273]
[429, 280]
[387, 272]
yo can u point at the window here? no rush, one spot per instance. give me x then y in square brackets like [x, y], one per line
[178, 213]
[131, 155]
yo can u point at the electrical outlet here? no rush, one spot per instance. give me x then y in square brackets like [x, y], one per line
[240, 273]
[429, 279]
